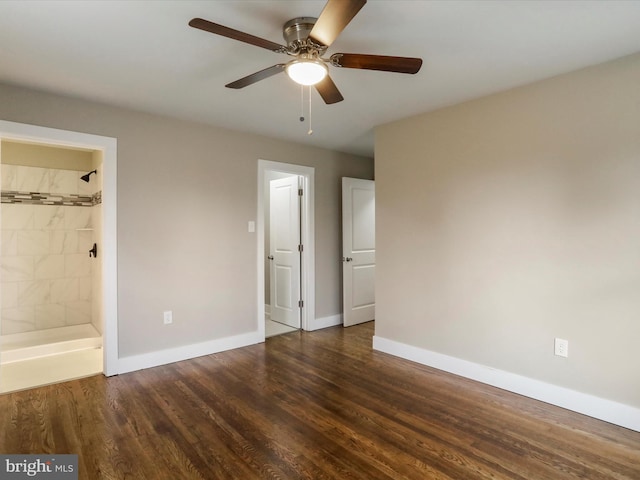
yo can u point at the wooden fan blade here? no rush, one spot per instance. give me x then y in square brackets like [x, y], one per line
[328, 91]
[211, 27]
[377, 62]
[334, 17]
[256, 77]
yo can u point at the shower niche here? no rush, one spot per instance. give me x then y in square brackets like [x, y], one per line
[51, 224]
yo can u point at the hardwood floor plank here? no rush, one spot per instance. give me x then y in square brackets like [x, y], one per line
[348, 404]
[310, 405]
[283, 433]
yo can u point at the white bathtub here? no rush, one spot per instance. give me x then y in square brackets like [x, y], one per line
[43, 343]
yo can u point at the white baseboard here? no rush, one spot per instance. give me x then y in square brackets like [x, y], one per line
[592, 406]
[186, 352]
[325, 322]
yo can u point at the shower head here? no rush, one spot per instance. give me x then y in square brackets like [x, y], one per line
[86, 177]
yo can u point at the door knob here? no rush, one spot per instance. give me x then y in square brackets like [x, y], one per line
[347, 259]
[270, 257]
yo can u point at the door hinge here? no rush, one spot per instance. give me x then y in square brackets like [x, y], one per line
[300, 303]
[300, 248]
[299, 192]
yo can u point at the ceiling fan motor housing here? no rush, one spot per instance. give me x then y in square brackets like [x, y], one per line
[298, 29]
[296, 33]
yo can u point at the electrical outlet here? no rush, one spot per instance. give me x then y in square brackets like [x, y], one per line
[561, 347]
[168, 317]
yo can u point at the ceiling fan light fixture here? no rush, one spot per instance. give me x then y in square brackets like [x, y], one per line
[306, 72]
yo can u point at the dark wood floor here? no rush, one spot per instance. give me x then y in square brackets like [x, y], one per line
[318, 405]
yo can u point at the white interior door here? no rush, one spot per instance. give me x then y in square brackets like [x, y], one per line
[284, 239]
[358, 250]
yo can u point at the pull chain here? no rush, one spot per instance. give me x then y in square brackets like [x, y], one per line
[310, 132]
[302, 103]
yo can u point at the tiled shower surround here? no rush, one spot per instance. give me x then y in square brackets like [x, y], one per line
[45, 269]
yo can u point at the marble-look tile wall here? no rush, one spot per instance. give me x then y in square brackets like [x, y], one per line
[45, 269]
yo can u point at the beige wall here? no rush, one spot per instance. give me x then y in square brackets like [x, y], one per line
[18, 153]
[185, 194]
[513, 219]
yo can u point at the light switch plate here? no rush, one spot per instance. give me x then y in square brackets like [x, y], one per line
[561, 347]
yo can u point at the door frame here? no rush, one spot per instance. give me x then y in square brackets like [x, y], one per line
[307, 229]
[108, 147]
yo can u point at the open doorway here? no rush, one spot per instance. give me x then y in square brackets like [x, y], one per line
[286, 282]
[58, 251]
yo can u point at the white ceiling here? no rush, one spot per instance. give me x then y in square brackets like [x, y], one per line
[143, 55]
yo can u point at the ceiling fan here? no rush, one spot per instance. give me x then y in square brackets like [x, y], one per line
[307, 39]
